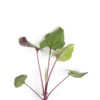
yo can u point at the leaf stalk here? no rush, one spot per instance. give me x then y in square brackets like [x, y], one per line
[57, 86]
[48, 62]
[33, 91]
[40, 71]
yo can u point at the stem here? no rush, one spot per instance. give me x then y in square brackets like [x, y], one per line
[33, 91]
[48, 62]
[57, 85]
[51, 70]
[45, 93]
[46, 85]
[40, 71]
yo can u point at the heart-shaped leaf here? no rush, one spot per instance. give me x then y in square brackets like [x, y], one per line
[76, 74]
[64, 53]
[20, 80]
[54, 40]
[23, 41]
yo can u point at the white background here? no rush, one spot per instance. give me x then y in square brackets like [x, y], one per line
[80, 20]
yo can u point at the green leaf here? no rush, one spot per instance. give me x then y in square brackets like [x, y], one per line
[76, 74]
[23, 42]
[54, 40]
[46, 76]
[64, 53]
[20, 80]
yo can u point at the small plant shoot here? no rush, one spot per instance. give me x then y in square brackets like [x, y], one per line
[55, 42]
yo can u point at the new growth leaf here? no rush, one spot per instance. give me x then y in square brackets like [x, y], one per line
[24, 42]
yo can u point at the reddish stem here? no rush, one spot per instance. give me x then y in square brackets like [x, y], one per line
[48, 62]
[40, 71]
[33, 91]
[57, 85]
[51, 71]
[46, 85]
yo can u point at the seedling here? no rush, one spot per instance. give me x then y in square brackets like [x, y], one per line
[55, 42]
